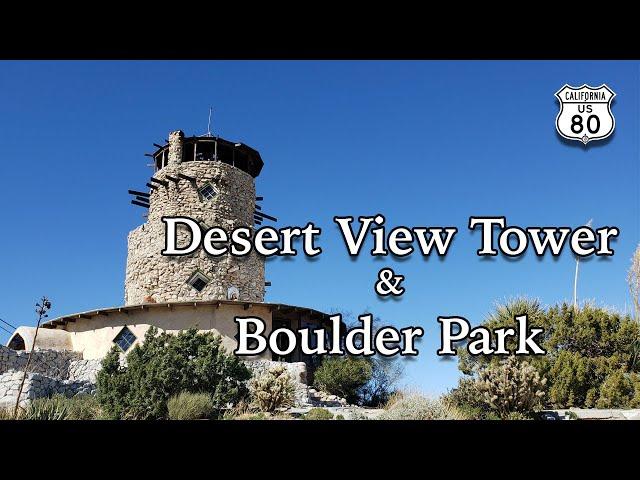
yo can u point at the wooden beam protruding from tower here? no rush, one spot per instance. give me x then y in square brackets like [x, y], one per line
[140, 204]
[152, 187]
[187, 177]
[164, 183]
[173, 179]
[135, 192]
[264, 215]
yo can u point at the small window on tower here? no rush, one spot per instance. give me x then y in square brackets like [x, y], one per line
[198, 281]
[208, 192]
[124, 339]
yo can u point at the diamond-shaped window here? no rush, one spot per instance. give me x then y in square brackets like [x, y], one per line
[125, 339]
[208, 192]
[198, 281]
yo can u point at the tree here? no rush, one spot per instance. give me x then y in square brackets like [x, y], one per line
[591, 353]
[385, 375]
[343, 376]
[166, 365]
[386, 372]
[503, 316]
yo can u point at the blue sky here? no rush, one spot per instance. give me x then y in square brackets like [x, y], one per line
[423, 143]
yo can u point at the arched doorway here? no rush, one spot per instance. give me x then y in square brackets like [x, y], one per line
[17, 342]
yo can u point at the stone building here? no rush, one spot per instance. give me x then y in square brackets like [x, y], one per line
[212, 181]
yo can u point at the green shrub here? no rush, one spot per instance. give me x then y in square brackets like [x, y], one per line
[190, 406]
[343, 376]
[254, 416]
[593, 354]
[511, 387]
[339, 417]
[166, 365]
[415, 406]
[273, 390]
[616, 391]
[504, 316]
[83, 407]
[318, 414]
[518, 416]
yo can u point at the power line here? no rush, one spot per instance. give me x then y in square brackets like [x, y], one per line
[7, 323]
[10, 333]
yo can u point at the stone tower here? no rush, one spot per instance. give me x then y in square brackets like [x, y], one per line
[210, 180]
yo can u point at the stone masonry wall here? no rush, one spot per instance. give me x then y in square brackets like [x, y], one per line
[37, 386]
[151, 276]
[50, 372]
[52, 363]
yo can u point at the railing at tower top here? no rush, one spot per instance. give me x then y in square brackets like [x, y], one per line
[211, 149]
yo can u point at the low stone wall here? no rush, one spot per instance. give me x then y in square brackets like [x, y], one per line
[37, 386]
[52, 363]
[84, 370]
[51, 372]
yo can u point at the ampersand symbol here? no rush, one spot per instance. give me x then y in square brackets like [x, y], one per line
[389, 283]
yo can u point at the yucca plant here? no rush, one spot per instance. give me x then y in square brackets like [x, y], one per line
[54, 408]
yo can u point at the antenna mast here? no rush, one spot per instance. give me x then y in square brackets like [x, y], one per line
[208, 134]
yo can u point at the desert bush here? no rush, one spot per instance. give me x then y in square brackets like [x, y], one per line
[519, 416]
[58, 407]
[54, 408]
[190, 406]
[318, 414]
[415, 406]
[7, 414]
[511, 387]
[252, 416]
[469, 400]
[83, 407]
[343, 376]
[166, 365]
[272, 390]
